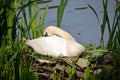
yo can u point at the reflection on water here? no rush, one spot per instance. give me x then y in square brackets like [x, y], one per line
[79, 20]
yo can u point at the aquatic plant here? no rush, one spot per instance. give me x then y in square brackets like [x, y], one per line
[113, 43]
[16, 62]
[60, 11]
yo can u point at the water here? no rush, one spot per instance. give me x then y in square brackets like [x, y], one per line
[81, 24]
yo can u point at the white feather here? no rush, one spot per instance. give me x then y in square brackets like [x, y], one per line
[56, 46]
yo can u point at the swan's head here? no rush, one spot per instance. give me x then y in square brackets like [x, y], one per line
[51, 30]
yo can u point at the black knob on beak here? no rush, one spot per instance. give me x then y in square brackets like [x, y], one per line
[46, 34]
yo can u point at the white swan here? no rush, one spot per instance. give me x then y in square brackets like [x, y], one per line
[52, 30]
[58, 42]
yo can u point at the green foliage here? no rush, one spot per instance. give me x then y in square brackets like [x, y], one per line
[19, 18]
[87, 73]
[93, 53]
[36, 24]
[7, 19]
[113, 43]
[12, 62]
[60, 11]
[71, 72]
[94, 12]
[55, 77]
[106, 74]
[61, 76]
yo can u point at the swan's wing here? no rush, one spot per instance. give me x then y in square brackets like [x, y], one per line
[53, 45]
[74, 48]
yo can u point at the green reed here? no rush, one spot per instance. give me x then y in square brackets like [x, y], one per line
[14, 62]
[14, 25]
[70, 70]
[7, 19]
[113, 43]
[114, 29]
[60, 11]
[87, 73]
[36, 24]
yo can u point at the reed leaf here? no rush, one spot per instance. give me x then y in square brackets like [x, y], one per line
[30, 11]
[94, 12]
[87, 73]
[113, 30]
[113, 43]
[42, 21]
[104, 22]
[24, 18]
[34, 20]
[60, 11]
[81, 8]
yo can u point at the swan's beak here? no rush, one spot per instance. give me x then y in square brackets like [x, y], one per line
[46, 34]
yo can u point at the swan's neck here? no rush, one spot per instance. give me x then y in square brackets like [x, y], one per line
[51, 30]
[64, 35]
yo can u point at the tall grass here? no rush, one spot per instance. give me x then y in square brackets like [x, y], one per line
[60, 11]
[113, 43]
[14, 62]
[35, 25]
[113, 29]
[7, 19]
[19, 18]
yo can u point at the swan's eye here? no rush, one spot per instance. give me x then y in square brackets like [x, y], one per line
[46, 34]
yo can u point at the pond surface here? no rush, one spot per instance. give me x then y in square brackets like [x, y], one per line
[81, 24]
